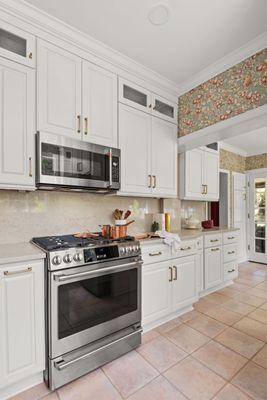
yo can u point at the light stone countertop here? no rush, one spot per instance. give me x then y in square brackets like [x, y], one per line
[19, 252]
[190, 234]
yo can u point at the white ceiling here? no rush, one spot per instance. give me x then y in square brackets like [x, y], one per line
[198, 33]
[251, 143]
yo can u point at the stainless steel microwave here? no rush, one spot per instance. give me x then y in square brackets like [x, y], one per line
[67, 163]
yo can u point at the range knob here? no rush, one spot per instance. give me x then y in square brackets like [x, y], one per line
[67, 258]
[122, 251]
[77, 257]
[56, 260]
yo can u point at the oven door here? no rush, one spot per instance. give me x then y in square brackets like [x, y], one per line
[66, 162]
[91, 302]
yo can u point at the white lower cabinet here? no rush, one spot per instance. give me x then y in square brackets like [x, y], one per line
[213, 267]
[167, 287]
[22, 328]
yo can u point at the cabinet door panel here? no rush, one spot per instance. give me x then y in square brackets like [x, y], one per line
[135, 145]
[194, 174]
[211, 175]
[17, 107]
[184, 290]
[156, 292]
[99, 105]
[164, 158]
[134, 95]
[213, 267]
[164, 109]
[59, 90]
[22, 322]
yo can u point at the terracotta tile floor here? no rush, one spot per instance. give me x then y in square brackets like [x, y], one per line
[218, 351]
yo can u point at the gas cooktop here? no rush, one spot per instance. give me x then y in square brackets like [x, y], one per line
[51, 243]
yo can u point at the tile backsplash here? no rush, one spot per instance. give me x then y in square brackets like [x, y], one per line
[27, 214]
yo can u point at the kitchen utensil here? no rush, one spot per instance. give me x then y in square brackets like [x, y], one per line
[120, 222]
[130, 222]
[127, 214]
[86, 234]
[106, 231]
[114, 232]
[122, 231]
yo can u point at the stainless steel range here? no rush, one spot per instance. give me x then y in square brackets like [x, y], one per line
[93, 305]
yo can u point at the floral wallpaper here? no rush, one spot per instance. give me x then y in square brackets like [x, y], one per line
[234, 91]
[237, 163]
[256, 162]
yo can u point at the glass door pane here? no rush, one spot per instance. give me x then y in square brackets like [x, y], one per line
[135, 95]
[260, 215]
[11, 42]
[164, 108]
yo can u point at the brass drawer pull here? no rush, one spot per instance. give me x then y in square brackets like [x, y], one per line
[149, 181]
[155, 181]
[230, 237]
[155, 254]
[231, 270]
[79, 123]
[185, 248]
[85, 125]
[22, 271]
[171, 276]
[216, 249]
[175, 273]
[214, 240]
[30, 166]
[231, 252]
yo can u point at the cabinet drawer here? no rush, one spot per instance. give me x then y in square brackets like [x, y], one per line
[230, 237]
[211, 240]
[229, 252]
[156, 253]
[186, 248]
[230, 270]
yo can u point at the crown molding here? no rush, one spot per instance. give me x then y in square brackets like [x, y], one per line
[233, 149]
[226, 62]
[42, 24]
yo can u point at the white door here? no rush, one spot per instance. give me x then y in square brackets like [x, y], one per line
[156, 291]
[164, 158]
[164, 109]
[135, 145]
[17, 128]
[194, 174]
[21, 321]
[240, 213]
[58, 91]
[213, 267]
[258, 217]
[211, 175]
[184, 288]
[99, 105]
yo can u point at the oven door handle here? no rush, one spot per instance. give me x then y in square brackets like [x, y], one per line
[110, 167]
[63, 277]
[60, 365]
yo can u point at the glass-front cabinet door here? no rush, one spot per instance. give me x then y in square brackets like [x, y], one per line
[164, 109]
[134, 95]
[17, 45]
[258, 218]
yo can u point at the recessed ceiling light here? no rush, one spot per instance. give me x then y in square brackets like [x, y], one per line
[159, 14]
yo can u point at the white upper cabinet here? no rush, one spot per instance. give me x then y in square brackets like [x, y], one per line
[164, 109]
[17, 128]
[22, 329]
[59, 91]
[135, 145]
[199, 175]
[134, 95]
[17, 45]
[99, 105]
[138, 97]
[164, 158]
[148, 153]
[211, 175]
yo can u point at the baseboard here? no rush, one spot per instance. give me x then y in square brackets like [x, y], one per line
[20, 386]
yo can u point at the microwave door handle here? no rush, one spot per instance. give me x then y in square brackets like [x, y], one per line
[110, 167]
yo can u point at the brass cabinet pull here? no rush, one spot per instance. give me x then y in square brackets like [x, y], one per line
[150, 106]
[30, 166]
[230, 237]
[85, 125]
[30, 55]
[171, 276]
[203, 189]
[175, 273]
[206, 186]
[149, 181]
[21, 271]
[79, 123]
[231, 270]
[155, 254]
[231, 252]
[216, 249]
[155, 181]
[214, 240]
[185, 248]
